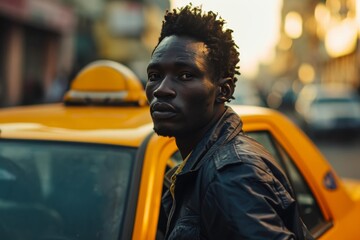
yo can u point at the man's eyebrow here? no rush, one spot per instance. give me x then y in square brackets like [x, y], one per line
[185, 64]
[153, 65]
[178, 64]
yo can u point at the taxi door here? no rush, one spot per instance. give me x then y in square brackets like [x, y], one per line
[158, 157]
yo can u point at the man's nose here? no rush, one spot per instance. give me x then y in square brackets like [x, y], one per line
[165, 88]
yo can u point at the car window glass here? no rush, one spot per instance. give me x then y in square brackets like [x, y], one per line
[54, 190]
[309, 209]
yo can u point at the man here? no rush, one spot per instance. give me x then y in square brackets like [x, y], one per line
[228, 186]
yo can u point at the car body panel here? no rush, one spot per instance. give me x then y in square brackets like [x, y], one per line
[353, 188]
[158, 152]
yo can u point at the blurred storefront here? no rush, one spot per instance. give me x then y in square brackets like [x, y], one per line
[36, 42]
[121, 30]
[127, 31]
[46, 42]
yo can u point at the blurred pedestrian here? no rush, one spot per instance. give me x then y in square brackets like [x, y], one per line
[228, 186]
[58, 87]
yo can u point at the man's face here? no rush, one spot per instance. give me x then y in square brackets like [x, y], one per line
[179, 88]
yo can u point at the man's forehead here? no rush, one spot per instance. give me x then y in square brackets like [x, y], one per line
[179, 49]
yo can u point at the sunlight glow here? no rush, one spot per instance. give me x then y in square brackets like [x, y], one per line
[306, 73]
[293, 25]
[255, 24]
[358, 15]
[341, 39]
[323, 19]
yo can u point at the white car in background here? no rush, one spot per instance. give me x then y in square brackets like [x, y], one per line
[329, 109]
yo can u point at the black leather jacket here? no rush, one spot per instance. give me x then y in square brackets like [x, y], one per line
[231, 188]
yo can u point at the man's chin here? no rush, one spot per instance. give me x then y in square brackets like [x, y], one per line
[163, 132]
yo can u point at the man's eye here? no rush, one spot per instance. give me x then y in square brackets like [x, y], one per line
[154, 77]
[185, 76]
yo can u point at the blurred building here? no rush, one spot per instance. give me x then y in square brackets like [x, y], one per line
[319, 43]
[46, 42]
[121, 30]
[36, 42]
[127, 31]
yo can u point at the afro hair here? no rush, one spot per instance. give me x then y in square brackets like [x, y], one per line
[206, 27]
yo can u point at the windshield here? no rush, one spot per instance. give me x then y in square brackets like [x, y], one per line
[55, 190]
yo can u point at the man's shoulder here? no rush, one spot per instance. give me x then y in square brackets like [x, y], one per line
[242, 150]
[245, 158]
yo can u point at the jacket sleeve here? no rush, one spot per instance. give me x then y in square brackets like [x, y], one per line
[238, 206]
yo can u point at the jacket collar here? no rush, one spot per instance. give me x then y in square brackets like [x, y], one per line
[225, 129]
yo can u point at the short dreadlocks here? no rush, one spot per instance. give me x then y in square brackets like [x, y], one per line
[205, 27]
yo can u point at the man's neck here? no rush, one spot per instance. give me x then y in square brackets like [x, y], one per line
[186, 143]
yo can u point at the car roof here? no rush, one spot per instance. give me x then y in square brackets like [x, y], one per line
[122, 125]
[126, 125]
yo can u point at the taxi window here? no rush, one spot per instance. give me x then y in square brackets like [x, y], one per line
[55, 190]
[309, 209]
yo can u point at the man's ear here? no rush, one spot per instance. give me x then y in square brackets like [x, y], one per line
[226, 87]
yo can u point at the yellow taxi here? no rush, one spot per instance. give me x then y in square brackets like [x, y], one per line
[92, 167]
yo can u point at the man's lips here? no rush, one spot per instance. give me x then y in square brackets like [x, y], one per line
[161, 110]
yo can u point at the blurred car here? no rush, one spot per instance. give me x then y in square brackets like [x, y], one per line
[246, 93]
[92, 168]
[329, 109]
[281, 95]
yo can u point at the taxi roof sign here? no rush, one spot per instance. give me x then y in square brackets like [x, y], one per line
[105, 82]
